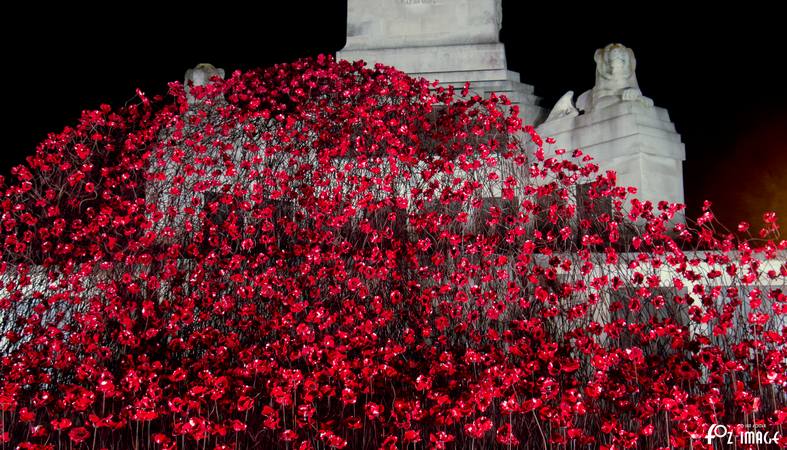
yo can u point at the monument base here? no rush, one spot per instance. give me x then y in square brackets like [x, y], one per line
[638, 142]
[483, 65]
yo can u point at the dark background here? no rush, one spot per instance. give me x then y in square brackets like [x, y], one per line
[719, 72]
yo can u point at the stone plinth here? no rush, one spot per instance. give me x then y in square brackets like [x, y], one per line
[451, 41]
[636, 140]
[421, 23]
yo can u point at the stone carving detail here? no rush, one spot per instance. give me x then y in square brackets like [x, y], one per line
[616, 80]
[200, 76]
[563, 108]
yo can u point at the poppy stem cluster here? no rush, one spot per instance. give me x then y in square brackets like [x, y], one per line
[324, 255]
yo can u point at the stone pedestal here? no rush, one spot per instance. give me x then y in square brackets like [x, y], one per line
[456, 41]
[635, 140]
[451, 41]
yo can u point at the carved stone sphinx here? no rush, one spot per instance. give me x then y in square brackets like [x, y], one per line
[616, 80]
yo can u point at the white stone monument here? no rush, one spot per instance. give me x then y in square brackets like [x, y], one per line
[452, 41]
[621, 129]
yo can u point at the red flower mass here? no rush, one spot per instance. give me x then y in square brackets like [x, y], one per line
[325, 255]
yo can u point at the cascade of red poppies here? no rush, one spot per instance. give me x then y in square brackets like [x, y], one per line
[325, 255]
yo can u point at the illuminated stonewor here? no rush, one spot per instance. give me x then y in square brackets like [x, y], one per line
[456, 41]
[622, 129]
[451, 41]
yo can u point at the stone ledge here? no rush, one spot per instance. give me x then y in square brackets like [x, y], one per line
[423, 60]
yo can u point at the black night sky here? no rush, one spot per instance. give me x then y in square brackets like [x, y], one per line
[718, 72]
